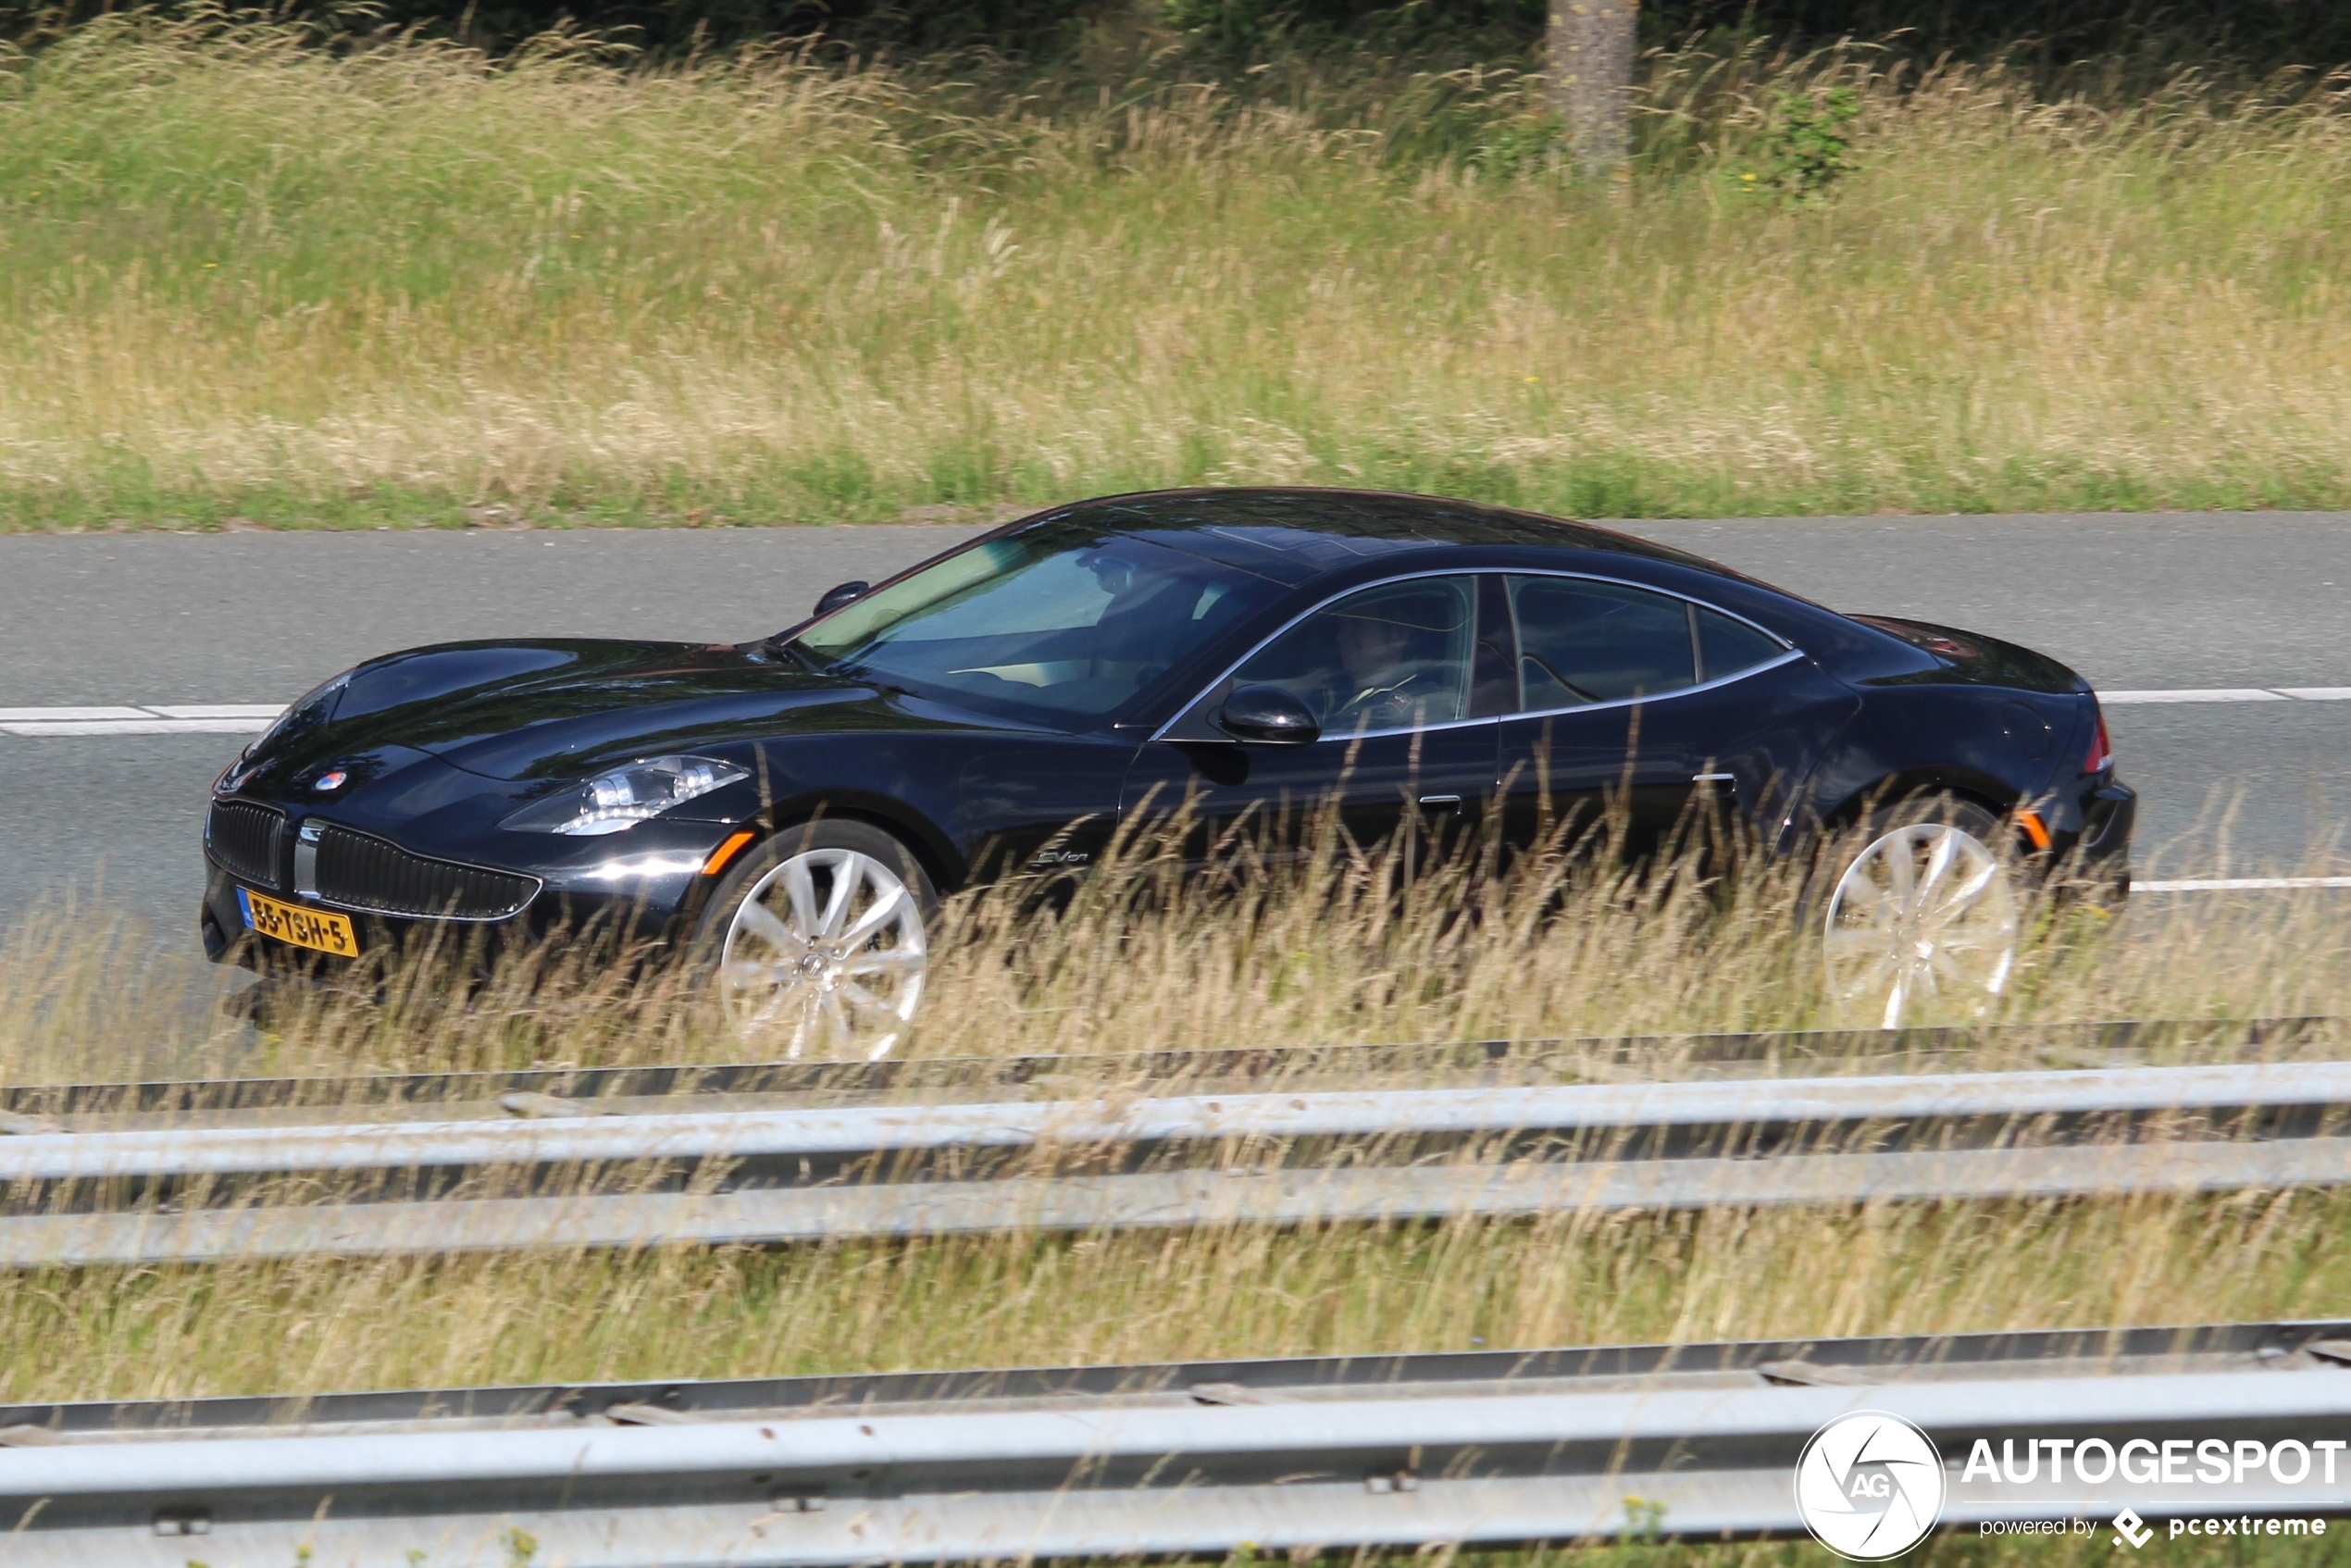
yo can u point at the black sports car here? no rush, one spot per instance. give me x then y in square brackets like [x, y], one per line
[793, 806]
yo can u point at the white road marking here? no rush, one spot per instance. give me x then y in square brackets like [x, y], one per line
[2239, 884]
[194, 718]
[251, 719]
[141, 727]
[29, 716]
[2221, 694]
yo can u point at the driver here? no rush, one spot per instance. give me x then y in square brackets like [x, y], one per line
[1384, 686]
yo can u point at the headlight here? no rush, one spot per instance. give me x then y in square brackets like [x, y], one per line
[611, 801]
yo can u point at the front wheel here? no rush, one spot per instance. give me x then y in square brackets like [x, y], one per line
[1924, 915]
[817, 942]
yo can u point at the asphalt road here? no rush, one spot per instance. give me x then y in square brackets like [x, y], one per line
[2134, 601]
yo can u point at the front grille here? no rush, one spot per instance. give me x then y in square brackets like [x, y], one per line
[242, 839]
[358, 871]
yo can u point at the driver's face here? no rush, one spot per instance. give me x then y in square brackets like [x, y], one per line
[1371, 648]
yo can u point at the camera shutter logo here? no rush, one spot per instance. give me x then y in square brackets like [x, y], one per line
[1870, 1485]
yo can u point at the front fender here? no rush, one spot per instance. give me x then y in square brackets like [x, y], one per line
[944, 860]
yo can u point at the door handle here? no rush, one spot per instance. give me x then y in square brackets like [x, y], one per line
[1714, 778]
[1442, 803]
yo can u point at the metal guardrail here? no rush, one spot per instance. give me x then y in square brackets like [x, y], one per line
[1485, 1448]
[778, 1176]
[2070, 1044]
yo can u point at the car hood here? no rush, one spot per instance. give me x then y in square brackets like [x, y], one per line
[558, 709]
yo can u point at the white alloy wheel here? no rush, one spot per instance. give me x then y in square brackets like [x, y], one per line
[1925, 914]
[826, 950]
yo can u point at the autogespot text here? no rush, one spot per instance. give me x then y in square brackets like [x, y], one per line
[2180, 1461]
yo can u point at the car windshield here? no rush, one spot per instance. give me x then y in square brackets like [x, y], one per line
[1057, 623]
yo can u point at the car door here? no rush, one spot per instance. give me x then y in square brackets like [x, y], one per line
[1649, 719]
[1407, 692]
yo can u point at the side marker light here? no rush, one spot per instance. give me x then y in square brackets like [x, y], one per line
[2035, 828]
[724, 853]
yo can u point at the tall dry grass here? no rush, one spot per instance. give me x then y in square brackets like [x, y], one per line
[1406, 940]
[1020, 1300]
[247, 278]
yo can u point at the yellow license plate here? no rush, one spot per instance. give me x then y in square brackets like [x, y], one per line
[312, 929]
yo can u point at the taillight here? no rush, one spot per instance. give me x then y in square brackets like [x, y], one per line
[2101, 749]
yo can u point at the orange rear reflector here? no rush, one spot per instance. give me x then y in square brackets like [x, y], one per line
[733, 847]
[2035, 828]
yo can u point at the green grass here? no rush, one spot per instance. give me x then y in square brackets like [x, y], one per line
[249, 280]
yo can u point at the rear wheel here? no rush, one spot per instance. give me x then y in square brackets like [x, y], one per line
[817, 942]
[1922, 915]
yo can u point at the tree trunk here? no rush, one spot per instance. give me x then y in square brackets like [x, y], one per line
[1591, 50]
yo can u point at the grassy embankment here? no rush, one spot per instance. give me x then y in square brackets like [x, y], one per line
[247, 281]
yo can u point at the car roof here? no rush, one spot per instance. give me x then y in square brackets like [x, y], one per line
[1293, 534]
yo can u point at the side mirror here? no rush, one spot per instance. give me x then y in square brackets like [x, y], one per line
[1267, 715]
[836, 597]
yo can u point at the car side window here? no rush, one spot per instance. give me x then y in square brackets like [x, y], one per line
[1392, 657]
[1582, 641]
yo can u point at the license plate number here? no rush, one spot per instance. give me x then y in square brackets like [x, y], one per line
[312, 929]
